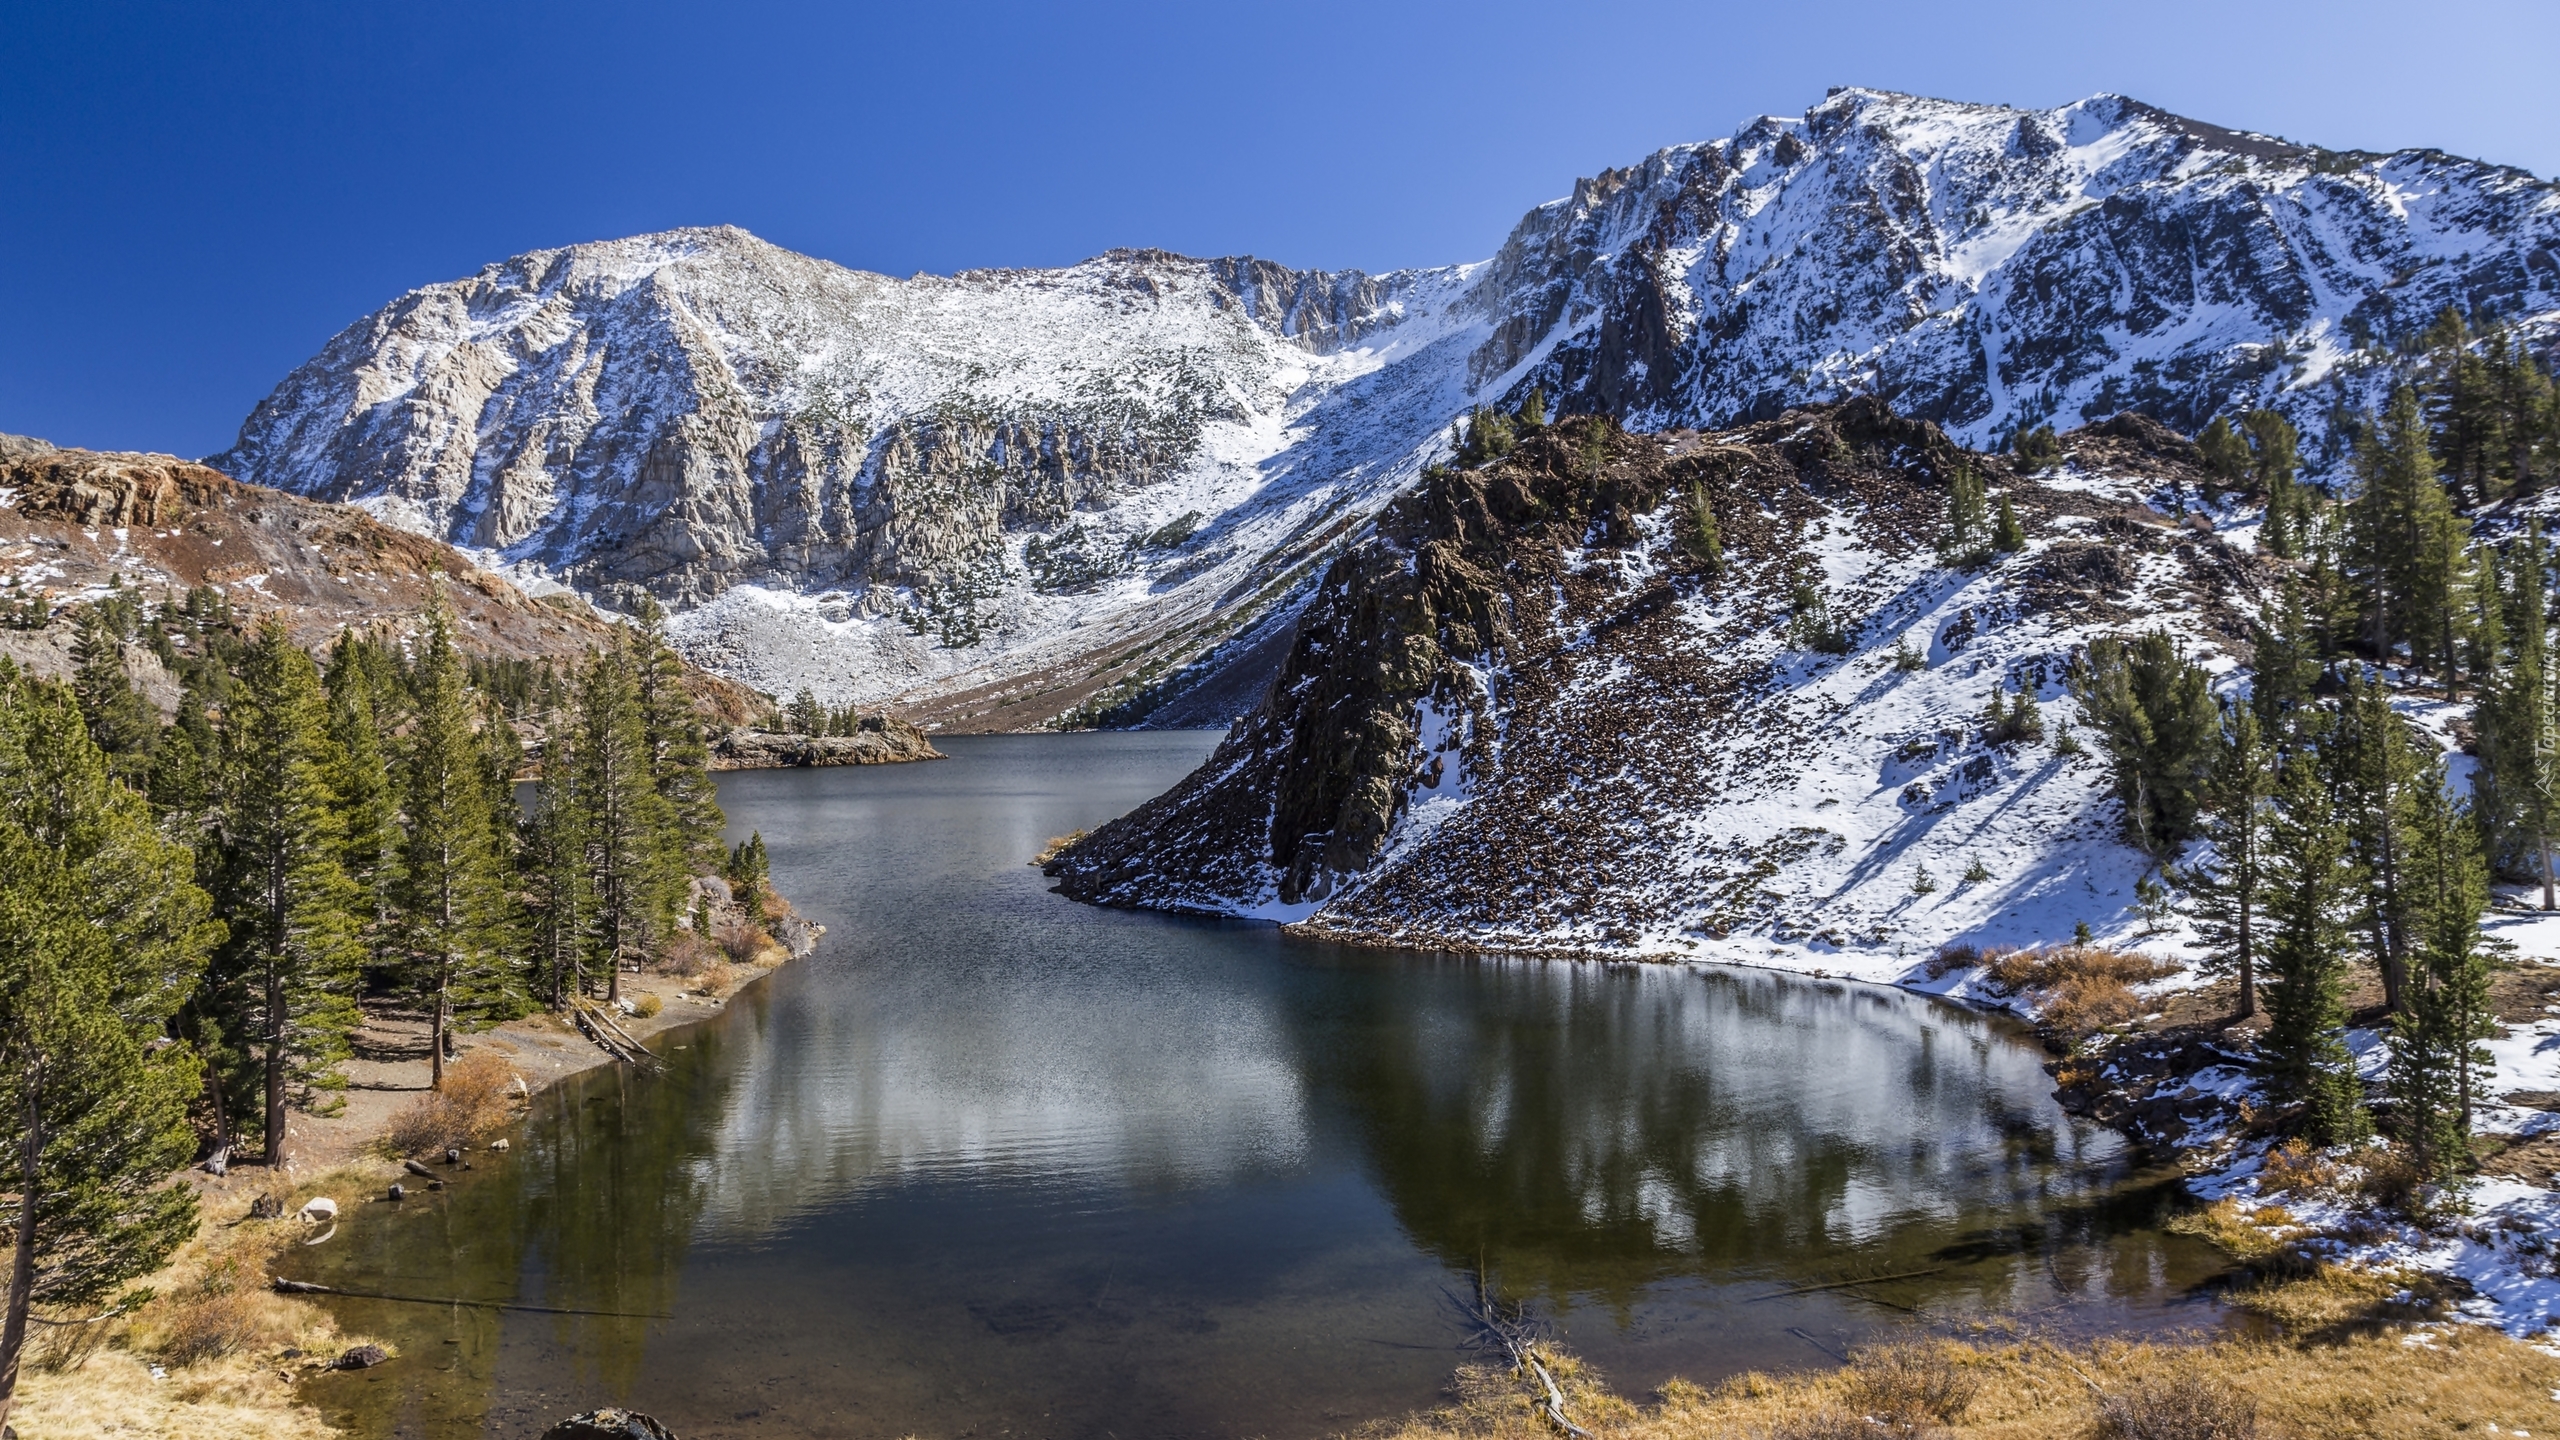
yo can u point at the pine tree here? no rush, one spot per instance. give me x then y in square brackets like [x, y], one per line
[1966, 541]
[748, 869]
[2227, 460]
[679, 758]
[452, 898]
[2309, 878]
[367, 804]
[2154, 711]
[296, 919]
[2037, 447]
[120, 721]
[626, 819]
[2518, 783]
[102, 934]
[1698, 533]
[2464, 402]
[2485, 618]
[2373, 765]
[183, 763]
[2287, 664]
[2007, 535]
[2230, 894]
[2407, 541]
[2525, 406]
[2434, 1047]
[807, 716]
[2275, 449]
[1533, 410]
[554, 863]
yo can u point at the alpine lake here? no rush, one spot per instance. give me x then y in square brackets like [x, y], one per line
[994, 1163]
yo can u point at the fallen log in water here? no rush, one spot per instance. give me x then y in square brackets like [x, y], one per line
[1845, 1284]
[1509, 1329]
[615, 1040]
[305, 1287]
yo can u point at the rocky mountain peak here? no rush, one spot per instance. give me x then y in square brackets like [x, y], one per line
[1092, 476]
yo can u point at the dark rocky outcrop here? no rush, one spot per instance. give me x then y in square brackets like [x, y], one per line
[1527, 636]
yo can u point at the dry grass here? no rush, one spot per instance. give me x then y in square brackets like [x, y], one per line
[647, 1006]
[2075, 990]
[471, 1103]
[2375, 1386]
[232, 1349]
[1058, 845]
[2304, 1295]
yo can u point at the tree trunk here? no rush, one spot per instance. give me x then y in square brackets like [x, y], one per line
[221, 1109]
[435, 1077]
[2394, 956]
[2452, 667]
[444, 971]
[22, 1260]
[2248, 964]
[2543, 843]
[275, 1070]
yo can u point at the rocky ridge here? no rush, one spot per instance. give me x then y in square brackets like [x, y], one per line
[1003, 497]
[77, 524]
[882, 740]
[1519, 716]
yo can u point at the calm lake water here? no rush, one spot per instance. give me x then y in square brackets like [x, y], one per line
[993, 1163]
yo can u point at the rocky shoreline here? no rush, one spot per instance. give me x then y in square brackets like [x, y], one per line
[882, 740]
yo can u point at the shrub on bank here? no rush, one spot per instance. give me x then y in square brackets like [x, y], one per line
[2075, 990]
[2178, 1407]
[471, 1103]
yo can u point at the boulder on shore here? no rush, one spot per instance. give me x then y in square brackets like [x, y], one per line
[609, 1423]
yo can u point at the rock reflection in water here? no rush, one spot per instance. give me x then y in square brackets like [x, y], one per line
[994, 1161]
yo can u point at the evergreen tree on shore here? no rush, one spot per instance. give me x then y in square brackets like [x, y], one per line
[2310, 878]
[367, 804]
[2373, 768]
[2434, 1047]
[626, 820]
[2230, 894]
[2518, 783]
[452, 894]
[102, 935]
[558, 896]
[296, 919]
[679, 757]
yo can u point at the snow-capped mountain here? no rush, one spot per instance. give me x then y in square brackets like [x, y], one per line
[1988, 268]
[1000, 495]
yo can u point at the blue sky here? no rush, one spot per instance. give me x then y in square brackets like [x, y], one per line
[199, 195]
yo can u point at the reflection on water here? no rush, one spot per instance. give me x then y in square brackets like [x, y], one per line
[994, 1162]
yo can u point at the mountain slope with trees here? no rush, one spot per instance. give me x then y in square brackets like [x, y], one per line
[1832, 694]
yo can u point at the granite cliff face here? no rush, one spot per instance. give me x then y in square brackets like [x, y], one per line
[1002, 496]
